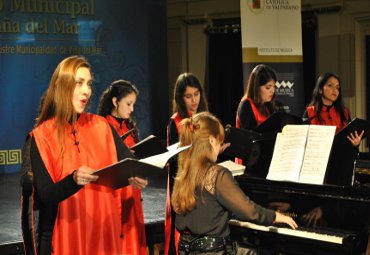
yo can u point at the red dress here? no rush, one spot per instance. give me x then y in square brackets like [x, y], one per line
[329, 117]
[133, 226]
[88, 221]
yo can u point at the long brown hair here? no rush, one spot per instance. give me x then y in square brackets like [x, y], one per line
[57, 100]
[261, 74]
[183, 81]
[317, 95]
[196, 161]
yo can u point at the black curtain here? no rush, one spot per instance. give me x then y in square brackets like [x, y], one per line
[367, 78]
[224, 72]
[309, 34]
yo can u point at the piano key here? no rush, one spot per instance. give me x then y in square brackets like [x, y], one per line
[309, 234]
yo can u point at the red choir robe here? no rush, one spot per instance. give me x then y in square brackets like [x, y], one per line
[133, 226]
[87, 222]
[329, 117]
[168, 219]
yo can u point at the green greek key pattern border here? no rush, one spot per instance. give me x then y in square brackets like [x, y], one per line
[10, 157]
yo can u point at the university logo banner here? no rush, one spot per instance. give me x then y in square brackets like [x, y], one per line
[272, 35]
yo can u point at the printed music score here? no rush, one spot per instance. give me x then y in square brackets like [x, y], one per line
[301, 153]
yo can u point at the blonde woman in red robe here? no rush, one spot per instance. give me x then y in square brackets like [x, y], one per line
[116, 105]
[77, 216]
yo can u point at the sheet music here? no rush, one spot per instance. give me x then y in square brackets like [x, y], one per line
[316, 157]
[235, 169]
[161, 160]
[301, 153]
[288, 153]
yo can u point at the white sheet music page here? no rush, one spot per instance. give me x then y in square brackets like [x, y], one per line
[316, 157]
[160, 160]
[235, 169]
[288, 153]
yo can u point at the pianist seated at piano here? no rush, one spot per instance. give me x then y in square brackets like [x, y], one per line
[327, 107]
[205, 195]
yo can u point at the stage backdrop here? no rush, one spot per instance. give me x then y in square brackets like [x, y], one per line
[271, 34]
[118, 38]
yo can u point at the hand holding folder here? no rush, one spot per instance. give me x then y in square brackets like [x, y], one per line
[356, 124]
[117, 175]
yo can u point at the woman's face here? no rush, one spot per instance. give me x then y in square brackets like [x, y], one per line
[330, 91]
[267, 91]
[82, 92]
[125, 106]
[192, 99]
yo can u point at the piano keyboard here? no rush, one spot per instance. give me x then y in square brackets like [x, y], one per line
[331, 238]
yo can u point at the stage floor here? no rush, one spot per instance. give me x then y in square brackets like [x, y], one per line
[154, 200]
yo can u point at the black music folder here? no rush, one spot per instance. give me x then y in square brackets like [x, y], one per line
[277, 121]
[341, 168]
[241, 141]
[116, 175]
[149, 146]
[355, 125]
[125, 135]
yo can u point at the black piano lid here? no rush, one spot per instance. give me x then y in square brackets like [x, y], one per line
[354, 193]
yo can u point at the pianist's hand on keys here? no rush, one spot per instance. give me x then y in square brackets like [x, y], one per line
[281, 218]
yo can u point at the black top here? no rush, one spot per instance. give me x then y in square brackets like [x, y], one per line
[173, 134]
[213, 209]
[246, 115]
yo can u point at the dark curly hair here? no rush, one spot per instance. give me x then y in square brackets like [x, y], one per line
[118, 89]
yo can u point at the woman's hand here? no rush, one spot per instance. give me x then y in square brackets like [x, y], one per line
[137, 182]
[281, 218]
[83, 175]
[355, 138]
[224, 146]
[312, 217]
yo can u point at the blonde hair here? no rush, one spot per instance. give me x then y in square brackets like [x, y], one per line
[194, 163]
[57, 100]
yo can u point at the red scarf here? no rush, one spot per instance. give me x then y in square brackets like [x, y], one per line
[329, 117]
[257, 115]
[121, 130]
[88, 221]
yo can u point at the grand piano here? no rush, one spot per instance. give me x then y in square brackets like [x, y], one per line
[343, 229]
[344, 200]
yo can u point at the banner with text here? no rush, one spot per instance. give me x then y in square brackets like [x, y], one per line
[36, 35]
[271, 34]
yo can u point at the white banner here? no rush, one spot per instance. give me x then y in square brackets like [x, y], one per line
[272, 26]
[272, 34]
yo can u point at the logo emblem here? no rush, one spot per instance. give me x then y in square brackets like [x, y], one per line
[256, 6]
